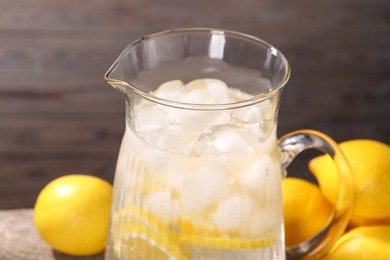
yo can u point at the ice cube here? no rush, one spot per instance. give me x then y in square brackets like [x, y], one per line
[229, 141]
[161, 205]
[260, 224]
[267, 144]
[205, 83]
[201, 189]
[196, 121]
[196, 96]
[251, 114]
[200, 91]
[218, 90]
[170, 90]
[172, 175]
[260, 178]
[233, 212]
[172, 140]
[207, 91]
[223, 139]
[254, 114]
[239, 95]
[148, 118]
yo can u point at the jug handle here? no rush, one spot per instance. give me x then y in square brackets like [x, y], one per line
[290, 146]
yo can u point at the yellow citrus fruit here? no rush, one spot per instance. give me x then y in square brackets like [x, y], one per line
[362, 243]
[72, 212]
[370, 164]
[306, 210]
[357, 222]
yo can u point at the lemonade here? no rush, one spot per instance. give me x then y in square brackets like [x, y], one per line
[198, 184]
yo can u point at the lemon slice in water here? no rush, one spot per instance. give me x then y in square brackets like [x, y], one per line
[197, 236]
[141, 235]
[145, 243]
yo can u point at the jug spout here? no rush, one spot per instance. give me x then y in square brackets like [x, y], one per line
[115, 77]
[119, 85]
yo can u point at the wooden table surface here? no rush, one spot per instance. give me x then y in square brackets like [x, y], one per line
[20, 241]
[58, 116]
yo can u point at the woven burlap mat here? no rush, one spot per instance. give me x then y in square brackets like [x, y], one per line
[20, 241]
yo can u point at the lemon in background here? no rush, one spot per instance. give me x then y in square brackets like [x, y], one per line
[306, 210]
[72, 212]
[372, 242]
[358, 221]
[370, 164]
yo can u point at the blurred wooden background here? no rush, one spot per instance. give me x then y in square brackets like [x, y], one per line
[58, 116]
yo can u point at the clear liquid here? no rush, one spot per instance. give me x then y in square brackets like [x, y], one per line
[207, 190]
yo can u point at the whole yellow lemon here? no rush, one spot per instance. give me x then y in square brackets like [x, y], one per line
[371, 242]
[370, 164]
[72, 212]
[358, 221]
[306, 210]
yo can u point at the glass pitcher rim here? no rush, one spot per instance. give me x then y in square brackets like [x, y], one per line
[197, 106]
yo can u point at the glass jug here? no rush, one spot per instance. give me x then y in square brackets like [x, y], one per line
[200, 167]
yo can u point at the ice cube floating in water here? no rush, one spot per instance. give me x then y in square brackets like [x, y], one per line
[199, 132]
